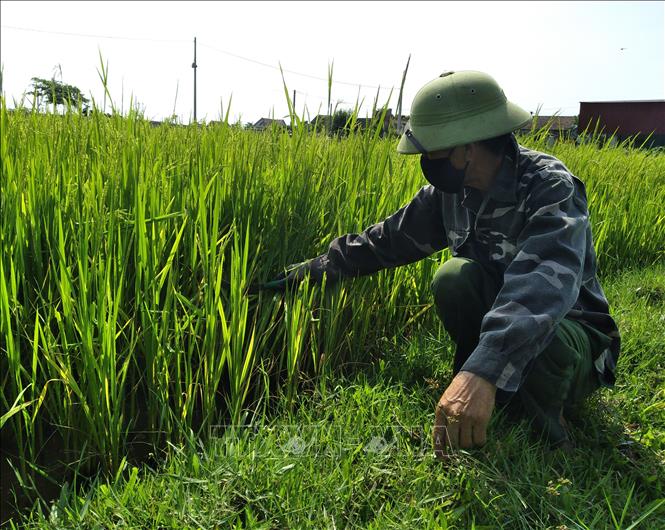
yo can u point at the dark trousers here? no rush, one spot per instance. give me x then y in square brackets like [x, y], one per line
[561, 376]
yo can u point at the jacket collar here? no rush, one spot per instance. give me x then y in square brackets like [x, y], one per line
[504, 186]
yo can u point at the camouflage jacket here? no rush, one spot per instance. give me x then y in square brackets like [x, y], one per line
[532, 228]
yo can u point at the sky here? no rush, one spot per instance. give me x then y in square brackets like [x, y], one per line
[547, 56]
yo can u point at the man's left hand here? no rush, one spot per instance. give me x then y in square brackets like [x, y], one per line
[463, 413]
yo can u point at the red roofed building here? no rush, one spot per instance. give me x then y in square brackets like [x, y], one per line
[625, 119]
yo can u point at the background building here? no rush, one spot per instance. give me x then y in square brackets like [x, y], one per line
[625, 119]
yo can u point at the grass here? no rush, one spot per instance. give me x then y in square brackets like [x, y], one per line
[355, 453]
[126, 251]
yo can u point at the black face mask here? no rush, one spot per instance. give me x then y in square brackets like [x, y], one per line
[441, 174]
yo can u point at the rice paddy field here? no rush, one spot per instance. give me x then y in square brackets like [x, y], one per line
[143, 386]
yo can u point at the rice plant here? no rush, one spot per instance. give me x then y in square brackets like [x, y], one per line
[127, 251]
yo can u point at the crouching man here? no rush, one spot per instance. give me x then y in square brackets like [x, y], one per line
[520, 296]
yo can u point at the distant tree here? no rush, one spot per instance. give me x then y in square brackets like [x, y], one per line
[337, 125]
[58, 93]
[339, 121]
[322, 123]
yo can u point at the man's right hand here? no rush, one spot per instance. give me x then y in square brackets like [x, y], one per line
[463, 413]
[290, 277]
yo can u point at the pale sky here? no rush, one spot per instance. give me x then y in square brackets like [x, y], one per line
[547, 55]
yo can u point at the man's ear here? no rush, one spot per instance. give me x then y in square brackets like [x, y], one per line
[470, 151]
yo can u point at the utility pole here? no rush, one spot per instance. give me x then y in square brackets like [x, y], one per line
[194, 65]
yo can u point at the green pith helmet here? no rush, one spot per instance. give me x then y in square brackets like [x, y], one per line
[458, 108]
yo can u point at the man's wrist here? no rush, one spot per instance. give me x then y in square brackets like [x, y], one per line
[480, 378]
[492, 367]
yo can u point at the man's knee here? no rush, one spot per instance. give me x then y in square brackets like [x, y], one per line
[454, 280]
[563, 373]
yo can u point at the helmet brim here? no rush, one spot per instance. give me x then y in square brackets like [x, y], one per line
[501, 120]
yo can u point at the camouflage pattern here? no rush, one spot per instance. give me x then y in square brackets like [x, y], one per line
[531, 227]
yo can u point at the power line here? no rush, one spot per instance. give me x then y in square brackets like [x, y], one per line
[89, 35]
[215, 49]
[241, 57]
[318, 78]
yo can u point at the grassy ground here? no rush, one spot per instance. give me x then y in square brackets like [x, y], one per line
[355, 453]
